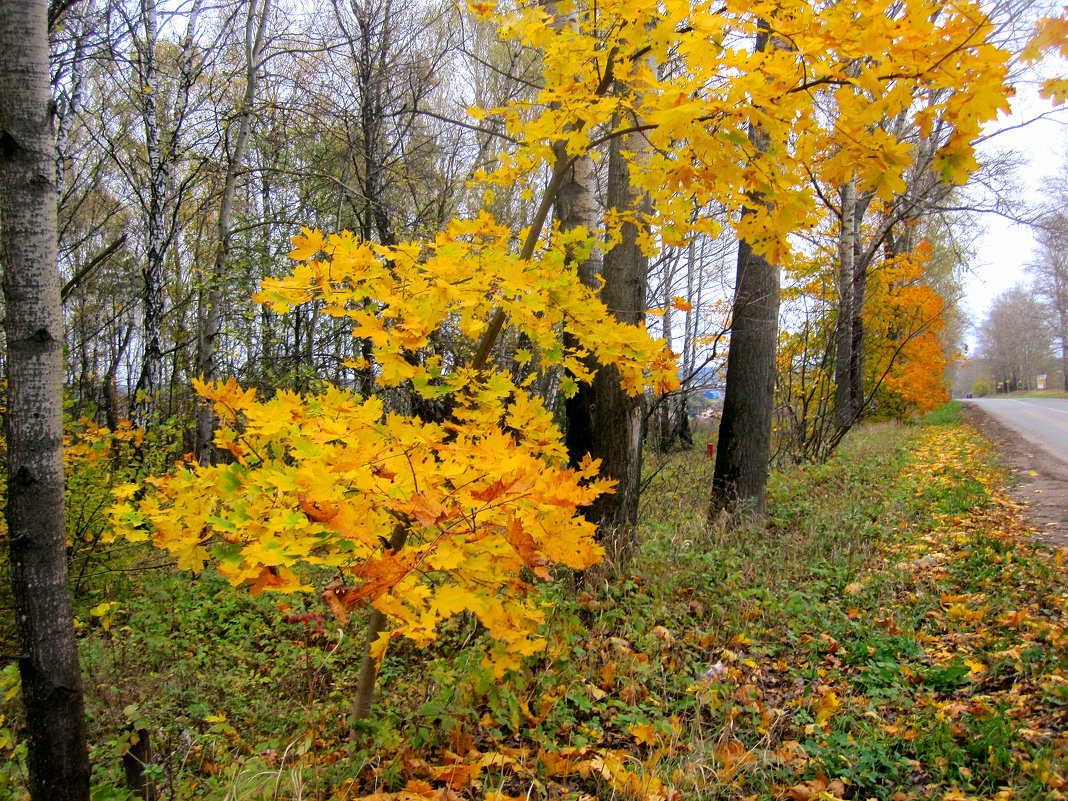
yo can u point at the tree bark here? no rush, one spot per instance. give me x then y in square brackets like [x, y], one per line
[603, 420]
[843, 397]
[148, 384]
[743, 450]
[57, 757]
[376, 624]
[860, 291]
[162, 153]
[255, 33]
[575, 206]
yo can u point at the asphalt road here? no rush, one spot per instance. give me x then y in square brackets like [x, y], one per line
[1041, 421]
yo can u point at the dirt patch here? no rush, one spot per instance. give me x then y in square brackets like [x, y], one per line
[1038, 480]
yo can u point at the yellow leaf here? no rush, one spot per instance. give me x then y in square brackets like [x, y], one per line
[379, 646]
[307, 244]
[643, 733]
[827, 707]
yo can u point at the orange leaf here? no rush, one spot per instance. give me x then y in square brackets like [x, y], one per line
[425, 509]
[457, 776]
[381, 471]
[806, 791]
[317, 511]
[337, 608]
[268, 577]
[524, 545]
[380, 574]
[492, 492]
[420, 788]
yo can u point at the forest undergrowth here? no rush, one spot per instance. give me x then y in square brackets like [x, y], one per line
[890, 634]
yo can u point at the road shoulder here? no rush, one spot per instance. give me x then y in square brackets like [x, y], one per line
[1037, 481]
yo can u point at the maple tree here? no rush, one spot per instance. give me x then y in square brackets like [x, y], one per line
[905, 353]
[895, 632]
[743, 447]
[906, 360]
[471, 502]
[697, 121]
[474, 501]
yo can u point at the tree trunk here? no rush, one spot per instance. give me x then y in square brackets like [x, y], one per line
[689, 359]
[574, 207]
[860, 290]
[1060, 302]
[376, 624]
[843, 396]
[376, 46]
[743, 451]
[255, 32]
[57, 757]
[603, 420]
[134, 762]
[148, 384]
[162, 153]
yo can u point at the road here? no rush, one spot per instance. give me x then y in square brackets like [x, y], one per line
[1041, 421]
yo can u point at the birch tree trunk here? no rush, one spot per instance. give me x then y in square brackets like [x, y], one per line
[162, 151]
[148, 384]
[575, 206]
[255, 35]
[57, 758]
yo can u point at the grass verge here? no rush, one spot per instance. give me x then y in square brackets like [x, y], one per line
[890, 634]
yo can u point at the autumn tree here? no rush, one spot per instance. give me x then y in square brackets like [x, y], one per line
[905, 354]
[257, 18]
[604, 420]
[875, 223]
[1017, 338]
[909, 324]
[476, 504]
[57, 757]
[743, 449]
[420, 517]
[1050, 269]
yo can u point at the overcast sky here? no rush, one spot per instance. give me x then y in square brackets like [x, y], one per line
[1004, 249]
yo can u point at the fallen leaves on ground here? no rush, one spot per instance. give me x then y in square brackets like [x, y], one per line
[932, 668]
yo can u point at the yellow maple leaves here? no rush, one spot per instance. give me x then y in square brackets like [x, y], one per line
[485, 499]
[880, 64]
[316, 482]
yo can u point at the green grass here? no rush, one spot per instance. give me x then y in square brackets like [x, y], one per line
[886, 629]
[948, 414]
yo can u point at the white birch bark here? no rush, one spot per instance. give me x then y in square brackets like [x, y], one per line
[211, 298]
